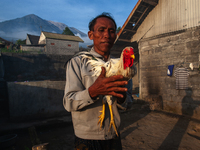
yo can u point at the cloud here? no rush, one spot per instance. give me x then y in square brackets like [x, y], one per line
[86, 40]
[19, 34]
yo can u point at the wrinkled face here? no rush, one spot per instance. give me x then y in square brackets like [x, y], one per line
[103, 36]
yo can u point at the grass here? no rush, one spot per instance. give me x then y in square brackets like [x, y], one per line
[12, 51]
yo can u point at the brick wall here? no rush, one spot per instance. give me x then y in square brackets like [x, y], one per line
[156, 53]
[61, 47]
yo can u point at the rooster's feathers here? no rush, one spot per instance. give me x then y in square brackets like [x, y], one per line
[115, 66]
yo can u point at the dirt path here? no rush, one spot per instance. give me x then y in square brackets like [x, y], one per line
[141, 130]
[146, 130]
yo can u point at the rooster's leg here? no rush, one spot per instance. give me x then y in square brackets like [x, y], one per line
[102, 116]
[112, 122]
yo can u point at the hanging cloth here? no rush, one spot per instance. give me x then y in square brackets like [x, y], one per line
[170, 70]
[181, 75]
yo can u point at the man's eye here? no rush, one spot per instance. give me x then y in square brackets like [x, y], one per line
[112, 31]
[101, 30]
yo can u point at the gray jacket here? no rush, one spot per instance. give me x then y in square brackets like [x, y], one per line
[84, 110]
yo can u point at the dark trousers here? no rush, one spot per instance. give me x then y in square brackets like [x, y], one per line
[113, 144]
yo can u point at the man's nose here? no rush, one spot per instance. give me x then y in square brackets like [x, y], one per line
[107, 34]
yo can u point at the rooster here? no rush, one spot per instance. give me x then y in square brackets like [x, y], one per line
[115, 66]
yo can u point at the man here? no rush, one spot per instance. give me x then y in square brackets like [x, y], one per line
[83, 93]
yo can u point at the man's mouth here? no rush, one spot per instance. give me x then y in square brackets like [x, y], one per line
[107, 43]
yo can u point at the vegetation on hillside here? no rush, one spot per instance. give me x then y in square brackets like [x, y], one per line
[67, 31]
[14, 48]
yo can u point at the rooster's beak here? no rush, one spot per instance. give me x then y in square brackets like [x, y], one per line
[133, 56]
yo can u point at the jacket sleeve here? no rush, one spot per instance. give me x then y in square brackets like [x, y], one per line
[129, 92]
[76, 95]
[129, 98]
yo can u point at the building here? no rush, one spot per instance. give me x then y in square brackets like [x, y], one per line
[32, 39]
[4, 43]
[32, 44]
[164, 34]
[60, 43]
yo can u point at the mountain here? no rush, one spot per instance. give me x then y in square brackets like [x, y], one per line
[62, 26]
[18, 28]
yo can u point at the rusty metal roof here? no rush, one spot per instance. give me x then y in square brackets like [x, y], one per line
[132, 23]
[62, 37]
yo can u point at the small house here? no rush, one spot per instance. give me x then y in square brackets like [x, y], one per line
[32, 44]
[4, 43]
[60, 43]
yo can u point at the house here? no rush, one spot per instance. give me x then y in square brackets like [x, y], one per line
[32, 39]
[4, 43]
[165, 35]
[60, 43]
[32, 44]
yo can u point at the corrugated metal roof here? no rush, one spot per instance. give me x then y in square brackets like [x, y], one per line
[171, 16]
[62, 37]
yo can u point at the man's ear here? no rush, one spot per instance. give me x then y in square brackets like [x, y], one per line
[90, 35]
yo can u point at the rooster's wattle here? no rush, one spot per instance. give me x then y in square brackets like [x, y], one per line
[115, 66]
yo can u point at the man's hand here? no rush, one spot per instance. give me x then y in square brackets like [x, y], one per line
[108, 86]
[121, 100]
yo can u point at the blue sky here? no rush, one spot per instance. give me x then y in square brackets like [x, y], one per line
[74, 13]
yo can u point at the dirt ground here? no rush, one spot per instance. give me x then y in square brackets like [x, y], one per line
[141, 129]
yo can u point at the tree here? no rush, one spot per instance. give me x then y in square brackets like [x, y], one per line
[20, 42]
[118, 29]
[67, 31]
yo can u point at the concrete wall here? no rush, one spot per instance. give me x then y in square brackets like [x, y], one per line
[35, 85]
[32, 48]
[36, 100]
[156, 53]
[61, 47]
[1, 67]
[34, 67]
[3, 91]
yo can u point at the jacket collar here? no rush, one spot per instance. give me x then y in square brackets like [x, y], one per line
[94, 53]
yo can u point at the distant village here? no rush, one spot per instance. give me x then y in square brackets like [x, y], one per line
[49, 43]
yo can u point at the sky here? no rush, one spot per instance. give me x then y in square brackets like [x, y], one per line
[73, 13]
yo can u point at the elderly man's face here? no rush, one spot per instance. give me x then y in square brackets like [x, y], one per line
[103, 36]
